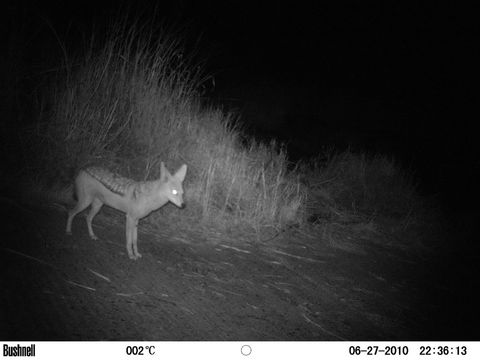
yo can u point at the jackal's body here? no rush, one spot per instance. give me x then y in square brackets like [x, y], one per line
[96, 186]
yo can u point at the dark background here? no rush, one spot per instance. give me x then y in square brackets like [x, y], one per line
[389, 77]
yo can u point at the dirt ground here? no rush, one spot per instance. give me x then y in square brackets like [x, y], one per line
[309, 284]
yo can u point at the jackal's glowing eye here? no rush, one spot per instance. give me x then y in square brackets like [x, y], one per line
[174, 192]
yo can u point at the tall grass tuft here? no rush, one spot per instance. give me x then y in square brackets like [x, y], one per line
[345, 185]
[131, 100]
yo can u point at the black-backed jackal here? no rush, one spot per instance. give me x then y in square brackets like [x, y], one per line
[96, 186]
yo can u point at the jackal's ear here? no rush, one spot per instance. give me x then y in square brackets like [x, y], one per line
[163, 172]
[180, 174]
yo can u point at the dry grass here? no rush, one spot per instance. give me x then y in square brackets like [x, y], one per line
[353, 187]
[131, 100]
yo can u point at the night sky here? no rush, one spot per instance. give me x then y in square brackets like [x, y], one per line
[389, 77]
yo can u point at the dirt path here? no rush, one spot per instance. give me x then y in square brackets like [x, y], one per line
[296, 287]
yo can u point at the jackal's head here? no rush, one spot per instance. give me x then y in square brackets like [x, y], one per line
[174, 188]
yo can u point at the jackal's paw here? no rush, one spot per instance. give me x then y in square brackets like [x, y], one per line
[135, 257]
[68, 232]
[93, 237]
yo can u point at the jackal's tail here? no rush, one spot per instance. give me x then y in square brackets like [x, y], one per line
[66, 195]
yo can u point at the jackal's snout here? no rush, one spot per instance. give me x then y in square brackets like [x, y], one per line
[179, 203]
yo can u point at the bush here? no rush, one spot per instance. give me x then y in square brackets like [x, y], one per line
[131, 101]
[344, 184]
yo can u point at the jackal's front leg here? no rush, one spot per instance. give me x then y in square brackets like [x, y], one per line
[130, 225]
[135, 237]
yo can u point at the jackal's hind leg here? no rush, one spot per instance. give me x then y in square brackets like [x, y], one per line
[96, 206]
[82, 204]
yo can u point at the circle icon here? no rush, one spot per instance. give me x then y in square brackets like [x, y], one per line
[246, 350]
